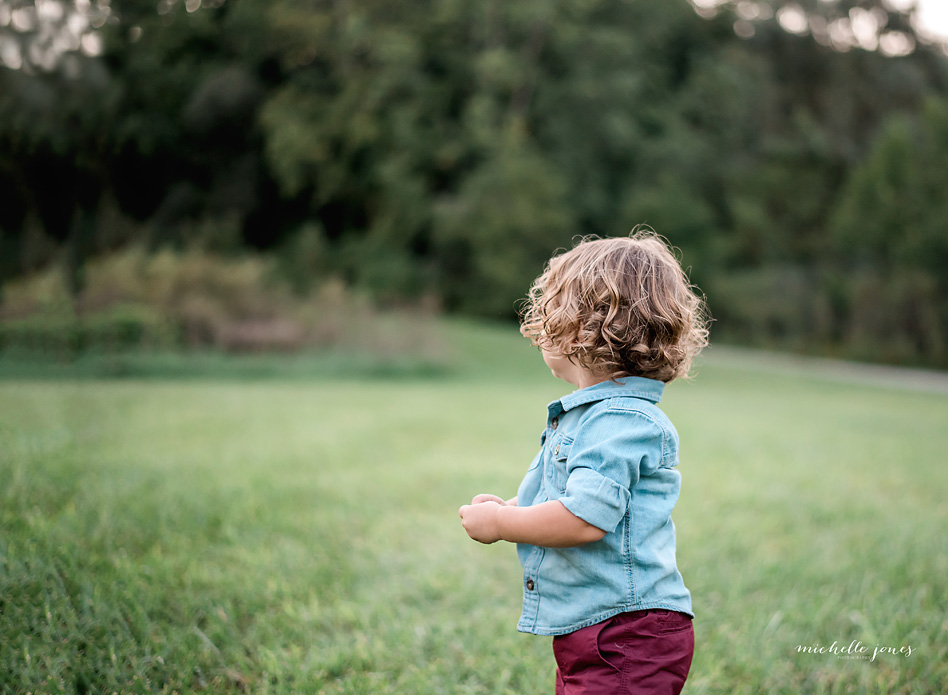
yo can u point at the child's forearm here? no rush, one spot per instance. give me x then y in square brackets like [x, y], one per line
[549, 524]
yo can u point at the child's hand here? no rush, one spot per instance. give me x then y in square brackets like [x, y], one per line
[478, 499]
[480, 519]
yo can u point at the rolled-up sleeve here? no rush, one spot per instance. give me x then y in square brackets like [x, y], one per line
[596, 499]
[611, 450]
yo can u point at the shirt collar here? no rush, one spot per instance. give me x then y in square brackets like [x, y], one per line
[626, 387]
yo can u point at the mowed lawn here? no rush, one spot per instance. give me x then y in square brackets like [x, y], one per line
[301, 535]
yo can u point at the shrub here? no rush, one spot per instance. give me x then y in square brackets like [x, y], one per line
[195, 299]
[118, 328]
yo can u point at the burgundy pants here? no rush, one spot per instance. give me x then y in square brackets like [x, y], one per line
[645, 653]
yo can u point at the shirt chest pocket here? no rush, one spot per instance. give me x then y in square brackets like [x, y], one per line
[556, 468]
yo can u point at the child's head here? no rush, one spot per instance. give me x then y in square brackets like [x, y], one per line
[618, 307]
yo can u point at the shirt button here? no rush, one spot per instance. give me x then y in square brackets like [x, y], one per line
[530, 585]
[554, 422]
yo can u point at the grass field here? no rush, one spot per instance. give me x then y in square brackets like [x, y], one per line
[298, 534]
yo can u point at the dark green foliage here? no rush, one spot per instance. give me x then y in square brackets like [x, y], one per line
[63, 336]
[445, 149]
[890, 235]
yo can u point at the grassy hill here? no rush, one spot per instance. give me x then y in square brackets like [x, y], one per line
[291, 526]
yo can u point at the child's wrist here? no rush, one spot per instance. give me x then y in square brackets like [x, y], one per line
[501, 519]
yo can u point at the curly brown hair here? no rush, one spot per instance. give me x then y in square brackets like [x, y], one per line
[618, 307]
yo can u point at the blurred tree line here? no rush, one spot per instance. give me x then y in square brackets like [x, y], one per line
[445, 148]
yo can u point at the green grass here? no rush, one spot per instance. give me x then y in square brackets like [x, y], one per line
[299, 535]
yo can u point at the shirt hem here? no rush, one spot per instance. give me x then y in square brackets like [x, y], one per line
[602, 617]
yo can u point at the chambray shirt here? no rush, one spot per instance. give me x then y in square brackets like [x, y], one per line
[609, 455]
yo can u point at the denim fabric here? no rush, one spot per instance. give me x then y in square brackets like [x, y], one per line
[609, 455]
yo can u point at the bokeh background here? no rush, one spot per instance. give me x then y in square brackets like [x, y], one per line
[259, 270]
[194, 173]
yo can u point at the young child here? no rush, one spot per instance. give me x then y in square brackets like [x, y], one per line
[618, 319]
